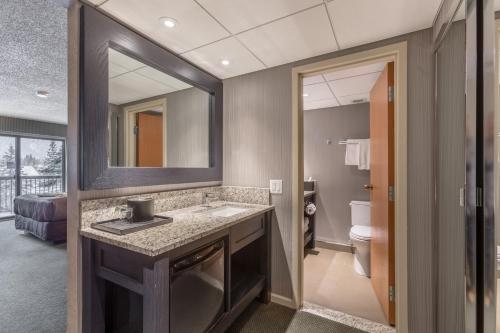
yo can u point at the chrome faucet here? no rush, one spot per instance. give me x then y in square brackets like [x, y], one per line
[207, 198]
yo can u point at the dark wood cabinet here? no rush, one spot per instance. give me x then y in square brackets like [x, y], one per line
[126, 291]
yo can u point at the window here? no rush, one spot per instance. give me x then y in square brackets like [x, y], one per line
[29, 166]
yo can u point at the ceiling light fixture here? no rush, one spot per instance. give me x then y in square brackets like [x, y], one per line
[42, 93]
[168, 22]
[225, 62]
[305, 95]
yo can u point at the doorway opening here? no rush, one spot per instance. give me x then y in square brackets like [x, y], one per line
[145, 134]
[349, 212]
[349, 186]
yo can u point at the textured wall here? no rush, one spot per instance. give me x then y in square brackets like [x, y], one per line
[450, 244]
[25, 126]
[338, 184]
[257, 147]
[187, 128]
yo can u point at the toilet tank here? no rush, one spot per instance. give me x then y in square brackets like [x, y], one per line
[360, 213]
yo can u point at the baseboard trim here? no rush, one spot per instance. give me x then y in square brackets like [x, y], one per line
[334, 246]
[281, 300]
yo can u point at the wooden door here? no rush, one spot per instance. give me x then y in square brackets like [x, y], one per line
[382, 181]
[149, 139]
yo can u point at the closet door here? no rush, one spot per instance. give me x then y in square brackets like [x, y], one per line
[479, 152]
[465, 218]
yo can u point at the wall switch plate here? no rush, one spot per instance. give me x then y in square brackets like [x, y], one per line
[276, 186]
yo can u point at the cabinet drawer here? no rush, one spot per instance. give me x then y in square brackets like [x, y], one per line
[246, 232]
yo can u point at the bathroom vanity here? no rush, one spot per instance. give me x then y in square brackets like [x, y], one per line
[195, 274]
[201, 269]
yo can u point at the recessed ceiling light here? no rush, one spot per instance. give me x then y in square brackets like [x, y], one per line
[168, 22]
[42, 93]
[225, 62]
[305, 95]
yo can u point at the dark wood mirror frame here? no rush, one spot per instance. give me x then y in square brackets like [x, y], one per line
[98, 33]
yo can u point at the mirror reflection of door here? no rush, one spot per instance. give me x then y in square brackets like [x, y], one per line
[149, 139]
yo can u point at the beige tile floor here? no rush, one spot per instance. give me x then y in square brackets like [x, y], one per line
[330, 281]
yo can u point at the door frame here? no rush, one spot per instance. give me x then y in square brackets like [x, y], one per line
[398, 54]
[129, 123]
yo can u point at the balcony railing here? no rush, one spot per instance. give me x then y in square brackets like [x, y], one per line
[29, 185]
[7, 194]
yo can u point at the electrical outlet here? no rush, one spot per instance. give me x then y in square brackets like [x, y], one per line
[276, 186]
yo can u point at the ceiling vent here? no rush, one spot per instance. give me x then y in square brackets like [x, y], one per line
[360, 100]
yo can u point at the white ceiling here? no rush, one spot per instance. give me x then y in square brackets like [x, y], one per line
[131, 80]
[33, 57]
[344, 87]
[258, 34]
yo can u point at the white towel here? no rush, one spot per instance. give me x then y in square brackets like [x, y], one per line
[352, 152]
[364, 154]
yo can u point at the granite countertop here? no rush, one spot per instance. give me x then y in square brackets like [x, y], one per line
[189, 224]
[308, 193]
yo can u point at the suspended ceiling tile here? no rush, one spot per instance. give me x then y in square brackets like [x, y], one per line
[163, 78]
[209, 57]
[359, 22]
[299, 36]
[120, 63]
[354, 99]
[355, 71]
[194, 26]
[115, 69]
[131, 87]
[325, 103]
[353, 85]
[239, 15]
[313, 79]
[318, 91]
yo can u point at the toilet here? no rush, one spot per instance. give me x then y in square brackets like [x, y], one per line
[361, 235]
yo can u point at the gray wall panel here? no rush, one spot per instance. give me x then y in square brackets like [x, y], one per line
[421, 255]
[450, 111]
[187, 128]
[33, 127]
[257, 147]
[338, 184]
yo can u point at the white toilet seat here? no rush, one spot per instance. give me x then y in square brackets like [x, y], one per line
[361, 232]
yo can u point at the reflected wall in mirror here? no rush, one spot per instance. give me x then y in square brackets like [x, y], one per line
[155, 120]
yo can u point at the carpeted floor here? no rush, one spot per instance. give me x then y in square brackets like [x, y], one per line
[273, 318]
[32, 283]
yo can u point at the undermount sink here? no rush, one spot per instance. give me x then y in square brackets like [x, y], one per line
[224, 211]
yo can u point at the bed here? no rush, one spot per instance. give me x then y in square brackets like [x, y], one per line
[42, 215]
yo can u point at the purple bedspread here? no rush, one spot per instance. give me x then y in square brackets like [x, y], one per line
[41, 208]
[48, 231]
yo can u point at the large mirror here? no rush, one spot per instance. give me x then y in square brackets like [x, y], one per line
[146, 116]
[155, 120]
